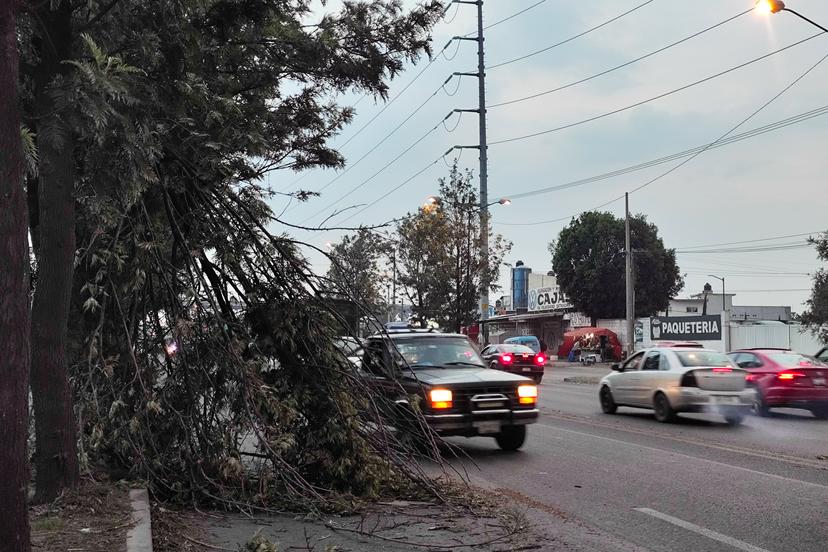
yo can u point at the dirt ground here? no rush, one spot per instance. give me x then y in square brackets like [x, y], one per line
[92, 518]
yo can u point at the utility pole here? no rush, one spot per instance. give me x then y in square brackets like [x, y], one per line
[630, 290]
[483, 146]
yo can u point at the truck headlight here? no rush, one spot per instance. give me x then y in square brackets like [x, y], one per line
[441, 399]
[528, 394]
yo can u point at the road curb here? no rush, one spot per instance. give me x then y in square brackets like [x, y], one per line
[139, 537]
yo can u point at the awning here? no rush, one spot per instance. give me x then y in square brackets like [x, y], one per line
[523, 317]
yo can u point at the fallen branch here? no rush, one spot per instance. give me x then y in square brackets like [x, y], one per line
[211, 546]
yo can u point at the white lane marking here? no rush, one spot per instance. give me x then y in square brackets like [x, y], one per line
[731, 466]
[735, 543]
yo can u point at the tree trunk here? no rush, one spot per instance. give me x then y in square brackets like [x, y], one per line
[14, 299]
[56, 458]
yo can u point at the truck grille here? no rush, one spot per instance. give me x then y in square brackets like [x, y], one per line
[487, 398]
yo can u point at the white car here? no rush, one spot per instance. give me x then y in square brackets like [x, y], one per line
[678, 379]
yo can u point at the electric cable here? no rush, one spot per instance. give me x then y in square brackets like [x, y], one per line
[370, 178]
[772, 127]
[752, 241]
[654, 98]
[688, 160]
[623, 65]
[570, 39]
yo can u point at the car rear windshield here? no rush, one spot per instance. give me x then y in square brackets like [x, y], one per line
[703, 358]
[517, 349]
[437, 351]
[792, 360]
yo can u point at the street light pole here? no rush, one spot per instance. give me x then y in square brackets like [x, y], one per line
[630, 293]
[484, 177]
[776, 6]
[725, 335]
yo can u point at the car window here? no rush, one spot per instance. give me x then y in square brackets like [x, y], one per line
[373, 358]
[651, 361]
[664, 362]
[749, 360]
[430, 351]
[633, 363]
[703, 358]
[791, 360]
[487, 351]
[519, 349]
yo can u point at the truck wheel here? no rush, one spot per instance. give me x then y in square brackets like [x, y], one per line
[607, 401]
[664, 413]
[511, 438]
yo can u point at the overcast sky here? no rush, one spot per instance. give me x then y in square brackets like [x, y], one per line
[771, 185]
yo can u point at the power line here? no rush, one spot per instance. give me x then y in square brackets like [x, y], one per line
[623, 65]
[752, 241]
[505, 19]
[712, 144]
[756, 249]
[394, 189]
[570, 39]
[778, 125]
[654, 98]
[367, 180]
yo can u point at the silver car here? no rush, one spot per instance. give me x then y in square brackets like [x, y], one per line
[671, 380]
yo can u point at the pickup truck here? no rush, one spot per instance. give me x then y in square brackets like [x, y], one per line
[457, 394]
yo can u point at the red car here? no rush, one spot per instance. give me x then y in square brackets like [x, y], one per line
[784, 378]
[517, 359]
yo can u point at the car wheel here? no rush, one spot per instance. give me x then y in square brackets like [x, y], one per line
[734, 418]
[663, 411]
[820, 413]
[607, 401]
[511, 438]
[759, 406]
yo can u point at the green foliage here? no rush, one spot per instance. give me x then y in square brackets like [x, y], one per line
[817, 314]
[439, 255]
[174, 135]
[588, 260]
[356, 269]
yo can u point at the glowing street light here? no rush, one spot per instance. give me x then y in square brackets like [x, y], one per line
[502, 201]
[768, 7]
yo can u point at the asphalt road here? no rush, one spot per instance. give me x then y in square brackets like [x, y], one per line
[696, 485]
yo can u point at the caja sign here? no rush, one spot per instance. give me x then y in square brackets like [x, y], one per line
[686, 328]
[548, 298]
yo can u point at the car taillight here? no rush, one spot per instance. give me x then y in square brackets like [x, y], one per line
[527, 394]
[751, 377]
[722, 369]
[788, 376]
[506, 359]
[441, 399]
[540, 360]
[689, 380]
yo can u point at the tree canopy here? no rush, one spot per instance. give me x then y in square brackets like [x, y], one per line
[817, 314]
[588, 260]
[199, 352]
[438, 251]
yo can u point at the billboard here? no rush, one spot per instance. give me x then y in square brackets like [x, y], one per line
[686, 328]
[547, 299]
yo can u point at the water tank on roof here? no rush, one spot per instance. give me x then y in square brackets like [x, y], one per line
[520, 286]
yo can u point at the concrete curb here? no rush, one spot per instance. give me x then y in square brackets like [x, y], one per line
[139, 538]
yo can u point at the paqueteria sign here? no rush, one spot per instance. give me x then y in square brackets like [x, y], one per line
[686, 328]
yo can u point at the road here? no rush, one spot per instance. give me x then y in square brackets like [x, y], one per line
[697, 485]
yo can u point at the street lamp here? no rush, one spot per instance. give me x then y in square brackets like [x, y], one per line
[436, 200]
[768, 7]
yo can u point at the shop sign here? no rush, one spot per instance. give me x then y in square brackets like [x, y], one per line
[686, 328]
[547, 299]
[578, 319]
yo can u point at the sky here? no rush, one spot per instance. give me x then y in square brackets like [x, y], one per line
[768, 186]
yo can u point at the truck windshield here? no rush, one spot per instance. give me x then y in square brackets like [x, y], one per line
[436, 351]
